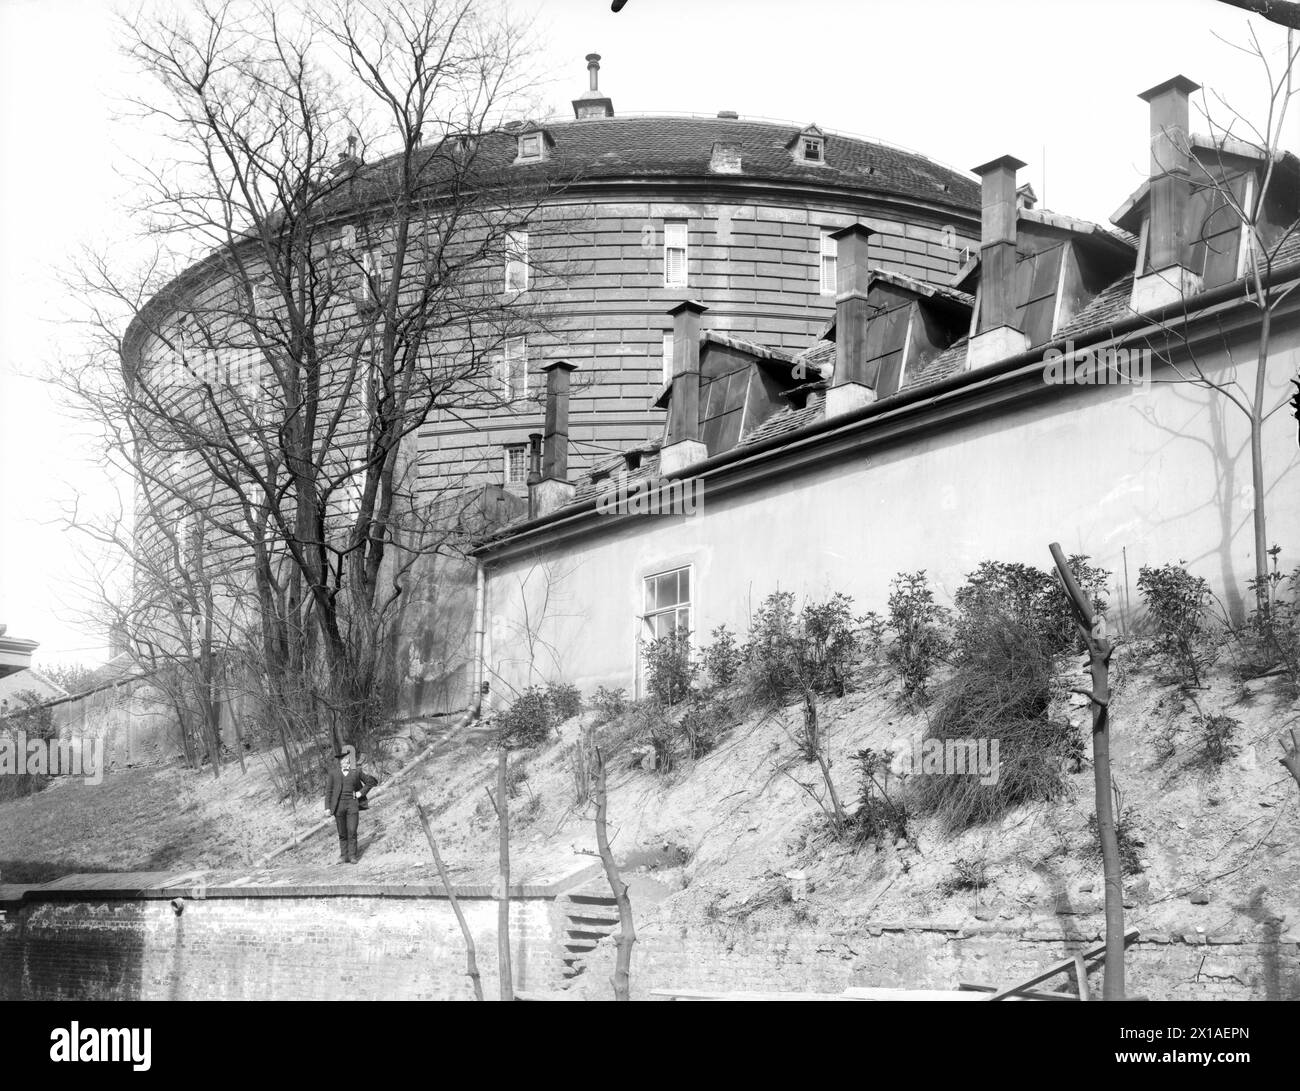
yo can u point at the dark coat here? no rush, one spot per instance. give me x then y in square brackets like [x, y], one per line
[340, 786]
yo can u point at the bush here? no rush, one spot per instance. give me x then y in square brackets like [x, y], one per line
[967, 874]
[814, 651]
[565, 701]
[1178, 604]
[536, 713]
[1126, 836]
[919, 625]
[1000, 689]
[1216, 744]
[36, 721]
[878, 816]
[723, 657]
[1030, 598]
[669, 668]
[516, 777]
[770, 652]
[609, 703]
[829, 644]
[703, 724]
[1270, 639]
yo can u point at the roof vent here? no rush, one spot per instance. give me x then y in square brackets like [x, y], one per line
[591, 103]
[730, 115]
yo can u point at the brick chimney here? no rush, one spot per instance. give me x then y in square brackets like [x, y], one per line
[850, 389]
[554, 490]
[996, 337]
[1164, 277]
[682, 446]
[591, 103]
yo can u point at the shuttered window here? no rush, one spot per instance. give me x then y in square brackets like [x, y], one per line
[829, 267]
[675, 255]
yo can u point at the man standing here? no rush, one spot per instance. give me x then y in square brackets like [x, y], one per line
[344, 790]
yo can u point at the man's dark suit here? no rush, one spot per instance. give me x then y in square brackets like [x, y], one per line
[342, 803]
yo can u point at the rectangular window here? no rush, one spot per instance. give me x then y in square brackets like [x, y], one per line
[667, 609]
[668, 357]
[515, 463]
[512, 369]
[517, 261]
[829, 269]
[675, 255]
[530, 146]
[812, 149]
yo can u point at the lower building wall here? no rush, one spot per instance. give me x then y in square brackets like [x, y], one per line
[268, 948]
[1130, 476]
[1157, 967]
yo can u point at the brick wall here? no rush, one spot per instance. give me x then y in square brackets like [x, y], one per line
[267, 948]
[1158, 966]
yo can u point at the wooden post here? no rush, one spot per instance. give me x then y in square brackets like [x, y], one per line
[1093, 631]
[503, 881]
[626, 931]
[471, 955]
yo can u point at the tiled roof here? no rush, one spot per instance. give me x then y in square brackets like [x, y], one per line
[778, 424]
[679, 147]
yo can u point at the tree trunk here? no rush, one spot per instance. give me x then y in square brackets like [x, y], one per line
[471, 957]
[503, 881]
[1094, 635]
[626, 931]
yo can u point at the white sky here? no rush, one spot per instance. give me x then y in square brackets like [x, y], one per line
[962, 81]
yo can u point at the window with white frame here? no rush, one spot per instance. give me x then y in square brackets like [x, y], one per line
[668, 357]
[813, 149]
[675, 255]
[667, 604]
[517, 261]
[514, 463]
[512, 369]
[828, 263]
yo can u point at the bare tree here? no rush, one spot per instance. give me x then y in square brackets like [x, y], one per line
[1238, 183]
[335, 307]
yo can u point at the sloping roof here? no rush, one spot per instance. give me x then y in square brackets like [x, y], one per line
[681, 147]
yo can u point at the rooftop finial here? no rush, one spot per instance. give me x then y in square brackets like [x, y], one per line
[593, 69]
[592, 102]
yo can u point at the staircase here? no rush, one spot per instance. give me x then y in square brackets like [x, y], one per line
[588, 918]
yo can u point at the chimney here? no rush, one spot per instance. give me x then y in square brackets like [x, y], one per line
[1163, 276]
[682, 445]
[554, 490]
[591, 103]
[850, 388]
[996, 337]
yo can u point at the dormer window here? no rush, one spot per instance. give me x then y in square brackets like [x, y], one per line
[530, 146]
[808, 146]
[534, 144]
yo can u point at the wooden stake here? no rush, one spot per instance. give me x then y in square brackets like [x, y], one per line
[1093, 631]
[471, 955]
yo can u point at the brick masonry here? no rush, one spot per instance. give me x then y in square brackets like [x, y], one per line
[1158, 966]
[397, 944]
[306, 946]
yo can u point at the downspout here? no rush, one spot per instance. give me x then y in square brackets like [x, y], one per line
[480, 666]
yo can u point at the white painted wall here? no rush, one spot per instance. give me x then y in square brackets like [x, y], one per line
[1162, 474]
